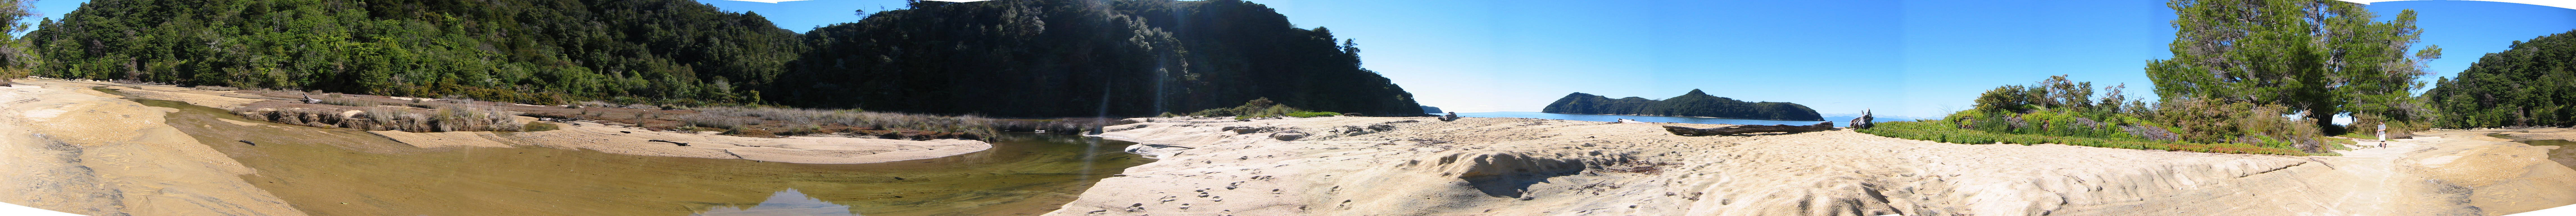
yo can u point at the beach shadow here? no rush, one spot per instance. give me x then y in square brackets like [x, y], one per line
[1506, 175]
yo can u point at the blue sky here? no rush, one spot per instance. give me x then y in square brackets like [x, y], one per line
[1899, 57]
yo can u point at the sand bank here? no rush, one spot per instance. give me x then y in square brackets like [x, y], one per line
[64, 147]
[1511, 166]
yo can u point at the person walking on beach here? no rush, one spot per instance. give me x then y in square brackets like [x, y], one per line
[2383, 135]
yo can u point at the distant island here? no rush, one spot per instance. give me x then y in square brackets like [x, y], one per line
[1693, 104]
[1430, 109]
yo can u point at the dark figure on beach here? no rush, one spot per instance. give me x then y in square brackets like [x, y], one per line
[1453, 116]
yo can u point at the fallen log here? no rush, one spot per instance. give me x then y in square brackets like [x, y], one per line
[1740, 129]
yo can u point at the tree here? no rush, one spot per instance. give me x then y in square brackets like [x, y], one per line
[2320, 58]
[14, 58]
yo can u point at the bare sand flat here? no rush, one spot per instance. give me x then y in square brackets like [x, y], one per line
[1511, 166]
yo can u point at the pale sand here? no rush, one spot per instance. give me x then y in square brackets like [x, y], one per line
[64, 147]
[1509, 166]
[816, 150]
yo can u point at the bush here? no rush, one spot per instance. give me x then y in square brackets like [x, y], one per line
[539, 126]
[346, 100]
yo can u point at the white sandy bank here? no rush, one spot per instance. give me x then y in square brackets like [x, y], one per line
[1510, 166]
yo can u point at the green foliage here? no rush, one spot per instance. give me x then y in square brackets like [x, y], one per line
[525, 51]
[1695, 103]
[539, 126]
[2320, 58]
[1257, 108]
[2057, 110]
[2531, 84]
[1082, 58]
[15, 60]
[1939, 131]
[1312, 114]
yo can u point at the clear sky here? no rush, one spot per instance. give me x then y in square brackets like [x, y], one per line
[1920, 58]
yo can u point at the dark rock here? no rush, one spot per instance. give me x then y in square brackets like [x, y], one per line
[1289, 135]
[1453, 116]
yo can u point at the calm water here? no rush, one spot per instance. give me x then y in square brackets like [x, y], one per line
[1612, 118]
[350, 172]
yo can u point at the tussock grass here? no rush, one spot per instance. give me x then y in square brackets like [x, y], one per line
[215, 88]
[719, 117]
[346, 100]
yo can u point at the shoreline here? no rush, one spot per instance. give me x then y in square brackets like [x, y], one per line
[1512, 166]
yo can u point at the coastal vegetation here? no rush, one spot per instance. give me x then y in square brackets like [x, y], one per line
[1259, 108]
[15, 61]
[1013, 59]
[2531, 84]
[2241, 69]
[1695, 103]
[2315, 58]
[2060, 111]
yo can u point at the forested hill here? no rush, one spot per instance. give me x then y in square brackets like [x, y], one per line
[1084, 58]
[2531, 84]
[1695, 103]
[1020, 58]
[529, 51]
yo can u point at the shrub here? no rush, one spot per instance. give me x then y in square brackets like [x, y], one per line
[346, 100]
[539, 126]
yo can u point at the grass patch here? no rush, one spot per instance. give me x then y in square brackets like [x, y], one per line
[1939, 132]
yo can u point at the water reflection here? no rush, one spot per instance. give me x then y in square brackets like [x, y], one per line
[349, 172]
[787, 202]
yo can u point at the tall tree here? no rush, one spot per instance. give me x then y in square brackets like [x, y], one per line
[2320, 58]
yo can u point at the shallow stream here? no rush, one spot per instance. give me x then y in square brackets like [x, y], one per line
[351, 172]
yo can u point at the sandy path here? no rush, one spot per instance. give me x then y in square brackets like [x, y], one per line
[1506, 166]
[76, 150]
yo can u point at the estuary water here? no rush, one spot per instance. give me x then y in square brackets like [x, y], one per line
[1613, 118]
[350, 172]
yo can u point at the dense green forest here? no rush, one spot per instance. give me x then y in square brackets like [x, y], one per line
[2531, 84]
[1695, 103]
[529, 51]
[1026, 58]
[1084, 58]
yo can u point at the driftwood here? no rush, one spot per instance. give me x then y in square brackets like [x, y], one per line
[1864, 121]
[680, 143]
[1739, 129]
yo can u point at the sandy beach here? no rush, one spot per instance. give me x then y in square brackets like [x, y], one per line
[1514, 166]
